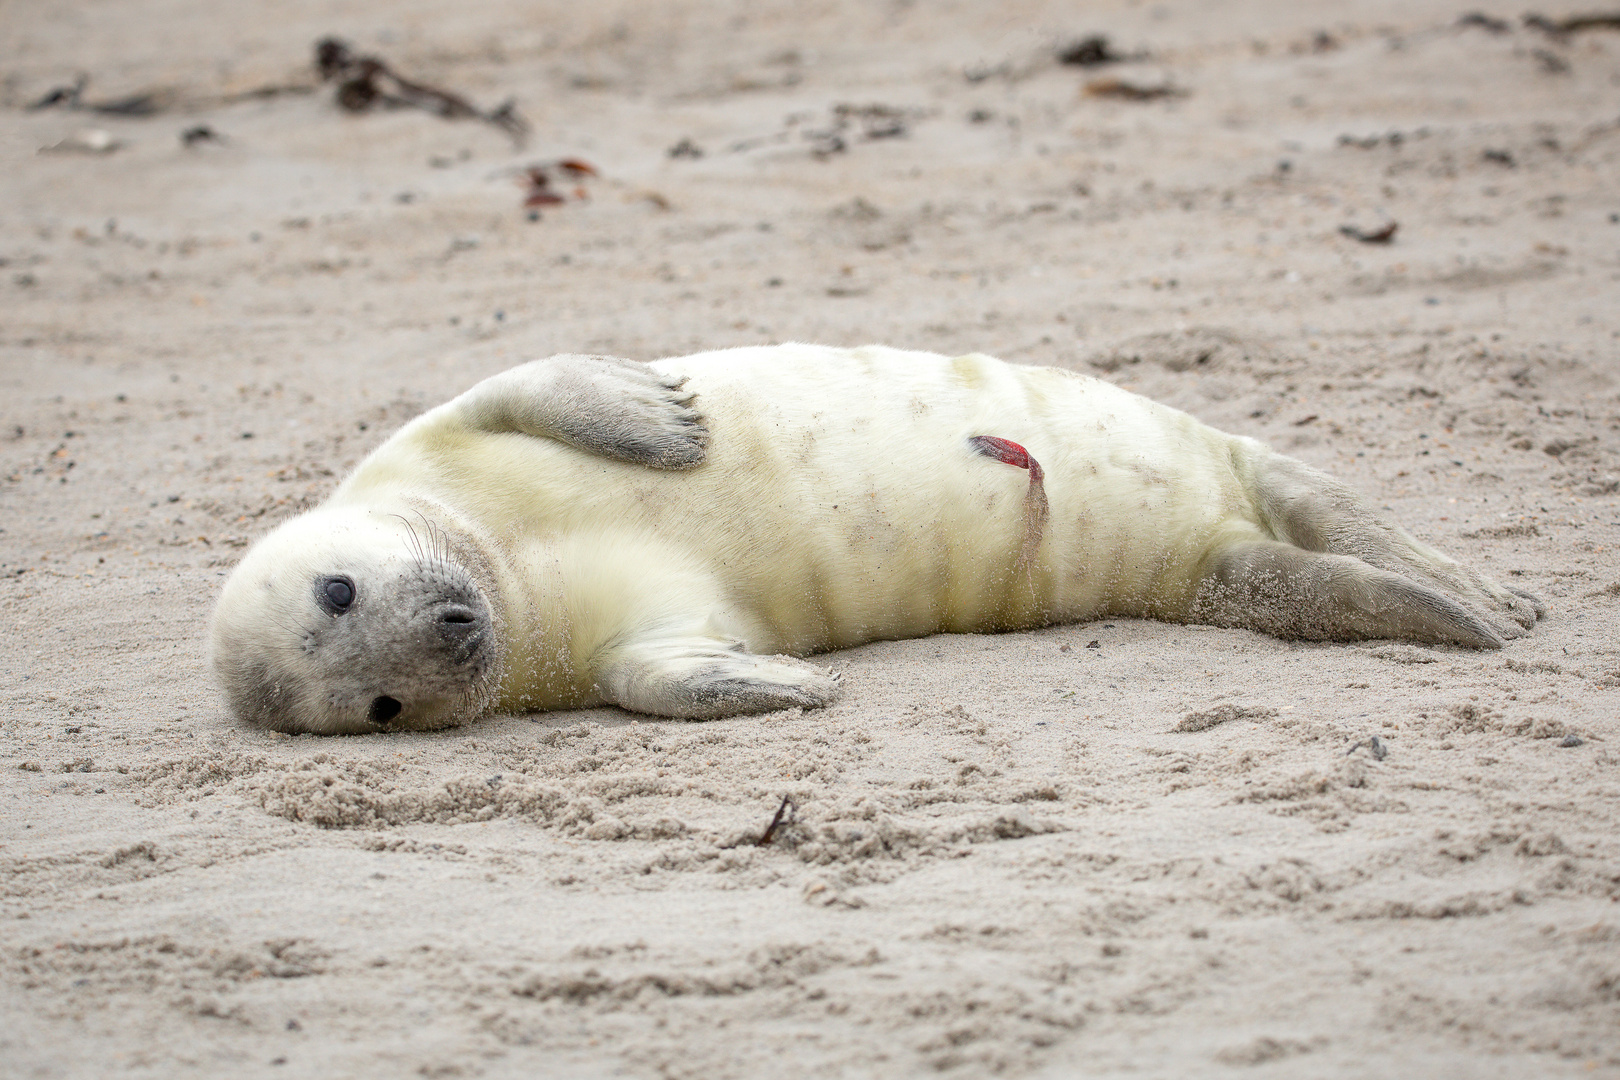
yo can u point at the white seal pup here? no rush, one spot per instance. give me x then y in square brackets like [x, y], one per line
[667, 537]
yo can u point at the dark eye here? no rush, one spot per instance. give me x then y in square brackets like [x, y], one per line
[337, 594]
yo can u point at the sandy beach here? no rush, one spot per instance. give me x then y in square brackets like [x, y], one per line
[1382, 237]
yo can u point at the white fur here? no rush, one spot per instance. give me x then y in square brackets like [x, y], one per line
[839, 502]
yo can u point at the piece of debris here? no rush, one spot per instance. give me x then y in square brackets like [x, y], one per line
[201, 133]
[866, 122]
[1374, 745]
[1574, 24]
[1129, 91]
[541, 191]
[1382, 235]
[1094, 50]
[263, 93]
[1551, 63]
[1311, 419]
[366, 81]
[686, 148]
[833, 134]
[72, 97]
[1499, 157]
[1485, 22]
[784, 813]
[88, 141]
[826, 143]
[1393, 138]
[152, 102]
[875, 121]
[66, 96]
[981, 72]
[457, 246]
[1571, 740]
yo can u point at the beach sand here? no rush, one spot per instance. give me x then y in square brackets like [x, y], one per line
[1118, 848]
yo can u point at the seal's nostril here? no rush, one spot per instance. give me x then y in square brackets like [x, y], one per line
[457, 617]
[384, 709]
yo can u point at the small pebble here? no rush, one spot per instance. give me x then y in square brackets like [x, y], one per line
[1571, 740]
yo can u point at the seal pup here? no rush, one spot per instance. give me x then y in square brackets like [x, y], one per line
[668, 537]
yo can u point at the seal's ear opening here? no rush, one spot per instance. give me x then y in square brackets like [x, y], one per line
[383, 709]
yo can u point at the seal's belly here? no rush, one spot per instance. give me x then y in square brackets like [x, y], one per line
[842, 502]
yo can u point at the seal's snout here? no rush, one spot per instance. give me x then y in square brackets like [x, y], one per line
[461, 628]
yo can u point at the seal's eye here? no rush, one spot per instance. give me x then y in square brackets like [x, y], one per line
[337, 594]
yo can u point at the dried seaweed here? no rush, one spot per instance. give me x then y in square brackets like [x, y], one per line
[367, 82]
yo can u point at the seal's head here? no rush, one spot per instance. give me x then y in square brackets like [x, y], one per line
[349, 621]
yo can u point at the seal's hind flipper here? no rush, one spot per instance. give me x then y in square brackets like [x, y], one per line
[1283, 590]
[702, 678]
[617, 408]
[1311, 510]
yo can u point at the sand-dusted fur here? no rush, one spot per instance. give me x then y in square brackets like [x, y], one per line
[668, 537]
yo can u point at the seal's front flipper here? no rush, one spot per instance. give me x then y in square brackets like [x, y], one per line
[617, 408]
[1288, 592]
[702, 678]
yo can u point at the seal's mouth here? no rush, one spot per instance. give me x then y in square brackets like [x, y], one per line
[383, 709]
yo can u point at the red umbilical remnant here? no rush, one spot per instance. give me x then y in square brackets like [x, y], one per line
[1035, 506]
